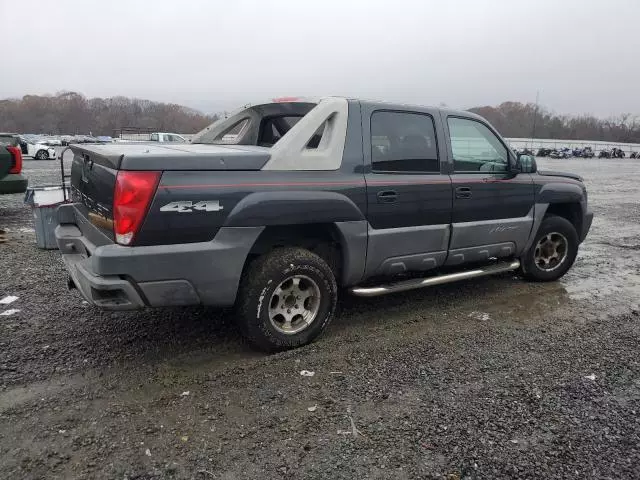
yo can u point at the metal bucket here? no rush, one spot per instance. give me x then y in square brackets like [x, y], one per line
[44, 201]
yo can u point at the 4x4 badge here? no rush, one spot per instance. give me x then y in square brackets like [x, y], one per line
[188, 207]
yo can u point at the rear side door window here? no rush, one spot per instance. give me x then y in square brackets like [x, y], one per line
[475, 147]
[403, 142]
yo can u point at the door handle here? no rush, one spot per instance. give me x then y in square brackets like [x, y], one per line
[463, 192]
[387, 196]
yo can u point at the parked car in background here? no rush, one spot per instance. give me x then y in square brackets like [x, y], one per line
[51, 141]
[561, 153]
[12, 139]
[41, 151]
[66, 140]
[585, 152]
[167, 137]
[544, 152]
[74, 139]
[523, 151]
[11, 179]
[23, 145]
[617, 153]
[613, 153]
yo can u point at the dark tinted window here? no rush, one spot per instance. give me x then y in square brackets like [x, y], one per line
[9, 139]
[475, 147]
[274, 128]
[403, 142]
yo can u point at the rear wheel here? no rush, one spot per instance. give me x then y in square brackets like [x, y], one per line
[42, 155]
[552, 252]
[287, 298]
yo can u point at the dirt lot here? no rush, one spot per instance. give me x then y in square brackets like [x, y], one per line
[495, 378]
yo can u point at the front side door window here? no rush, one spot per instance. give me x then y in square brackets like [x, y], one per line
[475, 147]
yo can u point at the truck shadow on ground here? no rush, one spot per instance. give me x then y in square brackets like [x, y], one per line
[164, 335]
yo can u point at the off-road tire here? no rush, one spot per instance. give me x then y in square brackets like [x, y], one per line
[551, 224]
[260, 281]
[42, 155]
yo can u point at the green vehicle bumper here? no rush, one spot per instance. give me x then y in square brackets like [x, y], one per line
[13, 183]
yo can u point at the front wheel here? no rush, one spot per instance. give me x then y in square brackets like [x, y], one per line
[286, 299]
[42, 155]
[552, 252]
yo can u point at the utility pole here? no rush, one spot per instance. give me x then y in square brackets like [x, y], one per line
[535, 117]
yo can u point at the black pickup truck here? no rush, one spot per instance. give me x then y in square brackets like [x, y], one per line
[11, 179]
[277, 207]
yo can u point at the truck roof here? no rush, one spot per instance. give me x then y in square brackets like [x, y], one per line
[413, 106]
[383, 103]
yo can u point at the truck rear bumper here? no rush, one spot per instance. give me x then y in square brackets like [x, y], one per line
[109, 292]
[115, 277]
[13, 183]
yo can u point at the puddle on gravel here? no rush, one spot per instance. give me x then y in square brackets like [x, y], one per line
[606, 267]
[625, 284]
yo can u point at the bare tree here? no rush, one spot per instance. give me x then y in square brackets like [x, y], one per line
[514, 119]
[72, 113]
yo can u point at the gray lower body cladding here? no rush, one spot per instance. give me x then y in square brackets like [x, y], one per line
[123, 278]
[586, 225]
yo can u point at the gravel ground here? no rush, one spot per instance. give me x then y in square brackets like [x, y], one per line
[494, 378]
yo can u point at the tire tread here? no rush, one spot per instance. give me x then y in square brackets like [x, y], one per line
[255, 280]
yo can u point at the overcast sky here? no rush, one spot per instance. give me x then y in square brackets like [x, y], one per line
[582, 55]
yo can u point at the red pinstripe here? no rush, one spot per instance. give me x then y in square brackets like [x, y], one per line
[355, 184]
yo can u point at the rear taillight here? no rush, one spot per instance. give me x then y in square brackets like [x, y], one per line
[131, 199]
[16, 156]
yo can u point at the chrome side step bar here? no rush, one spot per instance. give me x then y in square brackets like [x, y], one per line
[415, 283]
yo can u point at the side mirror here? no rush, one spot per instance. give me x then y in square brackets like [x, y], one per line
[525, 164]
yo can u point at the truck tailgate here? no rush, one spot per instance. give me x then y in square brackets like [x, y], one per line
[94, 174]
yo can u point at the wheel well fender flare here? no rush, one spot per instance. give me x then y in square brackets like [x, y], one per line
[560, 193]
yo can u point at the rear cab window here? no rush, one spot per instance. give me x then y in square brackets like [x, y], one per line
[229, 136]
[403, 142]
[262, 125]
[273, 129]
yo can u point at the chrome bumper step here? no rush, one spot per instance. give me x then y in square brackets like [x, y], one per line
[416, 283]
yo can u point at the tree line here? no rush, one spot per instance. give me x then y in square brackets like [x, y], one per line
[520, 120]
[74, 114]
